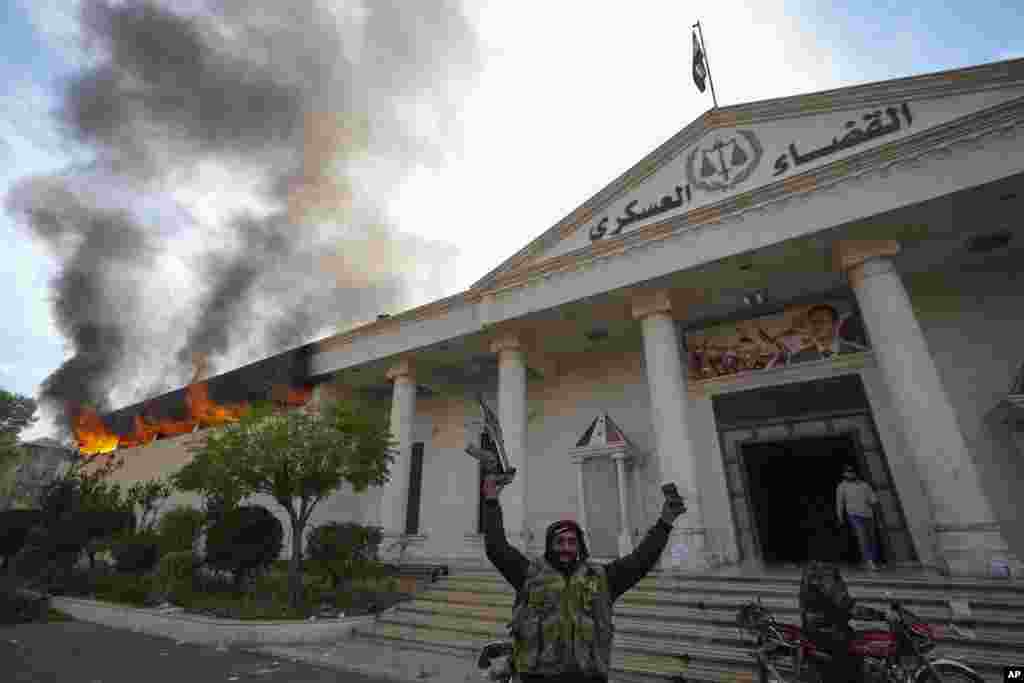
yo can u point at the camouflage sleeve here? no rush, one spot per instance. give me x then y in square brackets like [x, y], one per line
[626, 571]
[508, 560]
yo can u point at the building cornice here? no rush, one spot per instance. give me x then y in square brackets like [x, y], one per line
[939, 141]
[927, 86]
[935, 141]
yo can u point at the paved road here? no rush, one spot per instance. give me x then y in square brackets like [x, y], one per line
[79, 652]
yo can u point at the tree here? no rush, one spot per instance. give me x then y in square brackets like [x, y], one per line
[149, 496]
[16, 413]
[298, 458]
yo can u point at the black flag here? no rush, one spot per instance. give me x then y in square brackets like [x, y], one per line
[700, 71]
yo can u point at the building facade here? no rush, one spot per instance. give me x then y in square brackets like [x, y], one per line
[782, 288]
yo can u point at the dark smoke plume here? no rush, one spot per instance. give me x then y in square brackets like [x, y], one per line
[100, 247]
[310, 113]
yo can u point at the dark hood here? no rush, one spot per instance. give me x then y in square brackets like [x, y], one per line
[549, 538]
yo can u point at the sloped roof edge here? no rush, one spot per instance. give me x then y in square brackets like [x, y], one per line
[941, 83]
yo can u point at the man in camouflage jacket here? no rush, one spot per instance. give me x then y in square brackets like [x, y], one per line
[562, 620]
[826, 609]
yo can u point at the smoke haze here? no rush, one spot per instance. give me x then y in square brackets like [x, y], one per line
[243, 153]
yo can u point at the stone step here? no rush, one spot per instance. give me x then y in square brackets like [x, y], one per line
[660, 657]
[659, 667]
[989, 644]
[669, 624]
[720, 627]
[1001, 614]
[992, 600]
[852, 577]
[724, 608]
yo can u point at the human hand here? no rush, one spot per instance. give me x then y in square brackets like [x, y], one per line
[674, 505]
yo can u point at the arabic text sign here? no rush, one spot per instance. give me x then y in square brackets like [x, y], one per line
[798, 335]
[727, 159]
[853, 136]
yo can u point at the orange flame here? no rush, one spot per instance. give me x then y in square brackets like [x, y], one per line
[93, 436]
[292, 397]
[145, 432]
[208, 413]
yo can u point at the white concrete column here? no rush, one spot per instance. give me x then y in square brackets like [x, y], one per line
[625, 539]
[967, 535]
[512, 417]
[669, 414]
[581, 501]
[394, 494]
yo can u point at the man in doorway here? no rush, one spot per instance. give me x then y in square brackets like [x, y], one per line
[855, 504]
[562, 619]
[822, 321]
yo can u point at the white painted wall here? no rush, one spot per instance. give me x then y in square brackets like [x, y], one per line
[975, 331]
[563, 407]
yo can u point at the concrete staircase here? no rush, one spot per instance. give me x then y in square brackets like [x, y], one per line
[669, 625]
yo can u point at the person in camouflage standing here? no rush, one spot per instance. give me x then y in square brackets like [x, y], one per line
[826, 609]
[562, 622]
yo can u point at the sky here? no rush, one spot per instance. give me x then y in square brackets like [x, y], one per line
[561, 99]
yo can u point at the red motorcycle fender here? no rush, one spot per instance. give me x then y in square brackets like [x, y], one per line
[921, 675]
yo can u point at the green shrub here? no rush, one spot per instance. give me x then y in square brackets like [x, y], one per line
[129, 589]
[99, 524]
[244, 541]
[49, 554]
[175, 573]
[343, 551]
[102, 528]
[136, 553]
[179, 529]
[14, 528]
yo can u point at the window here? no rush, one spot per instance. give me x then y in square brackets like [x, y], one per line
[412, 515]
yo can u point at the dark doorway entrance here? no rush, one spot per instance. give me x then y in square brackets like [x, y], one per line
[792, 486]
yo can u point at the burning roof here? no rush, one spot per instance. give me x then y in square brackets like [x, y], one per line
[283, 379]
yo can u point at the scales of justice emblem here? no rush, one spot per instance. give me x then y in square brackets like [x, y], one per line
[725, 163]
[493, 463]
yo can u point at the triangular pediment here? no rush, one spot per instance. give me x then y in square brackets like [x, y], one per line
[603, 435]
[734, 150]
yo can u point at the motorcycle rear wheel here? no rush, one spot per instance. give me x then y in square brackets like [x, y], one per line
[947, 673]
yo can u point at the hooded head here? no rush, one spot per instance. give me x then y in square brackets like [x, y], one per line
[564, 546]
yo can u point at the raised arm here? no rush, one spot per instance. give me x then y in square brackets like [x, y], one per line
[508, 560]
[626, 571]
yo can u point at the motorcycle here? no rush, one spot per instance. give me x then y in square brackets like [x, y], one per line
[902, 653]
[496, 659]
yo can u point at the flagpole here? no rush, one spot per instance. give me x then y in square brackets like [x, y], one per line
[707, 64]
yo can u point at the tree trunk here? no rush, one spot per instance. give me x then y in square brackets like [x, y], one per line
[295, 567]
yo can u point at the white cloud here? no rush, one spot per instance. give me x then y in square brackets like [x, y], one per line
[573, 95]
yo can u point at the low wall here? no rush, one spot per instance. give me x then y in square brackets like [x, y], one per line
[191, 628]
